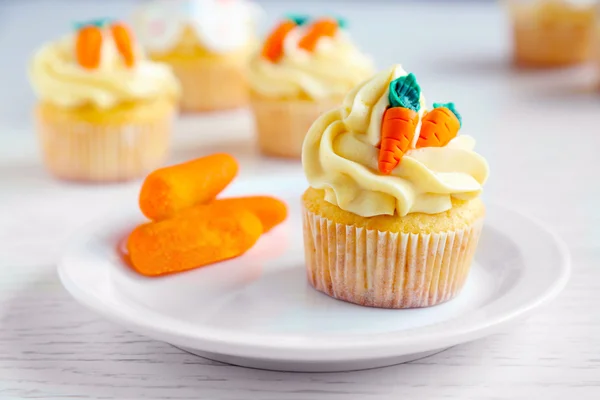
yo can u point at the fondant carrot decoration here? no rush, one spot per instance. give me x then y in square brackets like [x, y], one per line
[399, 122]
[88, 45]
[167, 191]
[269, 210]
[439, 126]
[181, 244]
[324, 27]
[273, 48]
[123, 40]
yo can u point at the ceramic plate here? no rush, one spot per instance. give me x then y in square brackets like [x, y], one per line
[259, 311]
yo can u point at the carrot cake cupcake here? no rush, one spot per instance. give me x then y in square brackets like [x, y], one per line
[104, 112]
[393, 214]
[305, 68]
[207, 43]
[553, 33]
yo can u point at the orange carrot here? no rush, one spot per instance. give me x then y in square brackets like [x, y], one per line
[324, 27]
[269, 210]
[169, 190]
[124, 42]
[399, 122]
[88, 46]
[439, 126]
[397, 132]
[181, 244]
[273, 48]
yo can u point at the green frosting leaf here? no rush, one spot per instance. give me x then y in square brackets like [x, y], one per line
[98, 22]
[342, 22]
[405, 92]
[299, 19]
[451, 107]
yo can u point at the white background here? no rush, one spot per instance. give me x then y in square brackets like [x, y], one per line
[539, 131]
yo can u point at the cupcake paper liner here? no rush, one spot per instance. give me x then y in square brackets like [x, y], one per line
[541, 45]
[82, 151]
[281, 125]
[385, 269]
[209, 85]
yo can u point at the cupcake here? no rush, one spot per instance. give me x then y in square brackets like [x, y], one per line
[104, 112]
[553, 33]
[393, 214]
[305, 68]
[208, 44]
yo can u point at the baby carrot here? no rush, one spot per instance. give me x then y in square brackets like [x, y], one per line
[123, 40]
[439, 126]
[269, 210]
[88, 45]
[273, 48]
[324, 27]
[399, 122]
[181, 244]
[169, 190]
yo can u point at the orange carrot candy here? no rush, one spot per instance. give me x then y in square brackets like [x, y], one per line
[273, 47]
[124, 42]
[323, 27]
[269, 210]
[439, 126]
[180, 244]
[399, 122]
[88, 45]
[169, 190]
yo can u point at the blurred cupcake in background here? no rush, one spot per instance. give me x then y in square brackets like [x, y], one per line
[553, 33]
[207, 43]
[305, 67]
[104, 112]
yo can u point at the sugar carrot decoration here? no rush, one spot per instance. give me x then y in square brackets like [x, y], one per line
[167, 191]
[181, 244]
[324, 27]
[439, 126]
[124, 42]
[88, 45]
[273, 48]
[399, 122]
[269, 210]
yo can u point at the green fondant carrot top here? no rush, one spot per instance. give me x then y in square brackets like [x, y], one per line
[405, 92]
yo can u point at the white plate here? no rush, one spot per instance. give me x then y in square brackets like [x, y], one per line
[259, 311]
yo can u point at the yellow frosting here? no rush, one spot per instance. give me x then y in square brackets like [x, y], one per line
[335, 67]
[57, 78]
[341, 157]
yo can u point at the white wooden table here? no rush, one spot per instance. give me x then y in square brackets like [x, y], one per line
[539, 132]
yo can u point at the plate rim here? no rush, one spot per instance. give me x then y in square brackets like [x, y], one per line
[284, 348]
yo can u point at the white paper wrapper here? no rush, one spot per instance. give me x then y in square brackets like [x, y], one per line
[552, 37]
[91, 152]
[281, 125]
[387, 270]
[211, 85]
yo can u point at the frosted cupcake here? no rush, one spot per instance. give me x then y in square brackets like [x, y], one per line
[207, 43]
[104, 112]
[553, 33]
[305, 68]
[393, 214]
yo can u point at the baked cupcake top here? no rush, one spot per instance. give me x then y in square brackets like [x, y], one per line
[99, 65]
[196, 27]
[310, 59]
[382, 153]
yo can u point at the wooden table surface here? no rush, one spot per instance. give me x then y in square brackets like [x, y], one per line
[539, 132]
